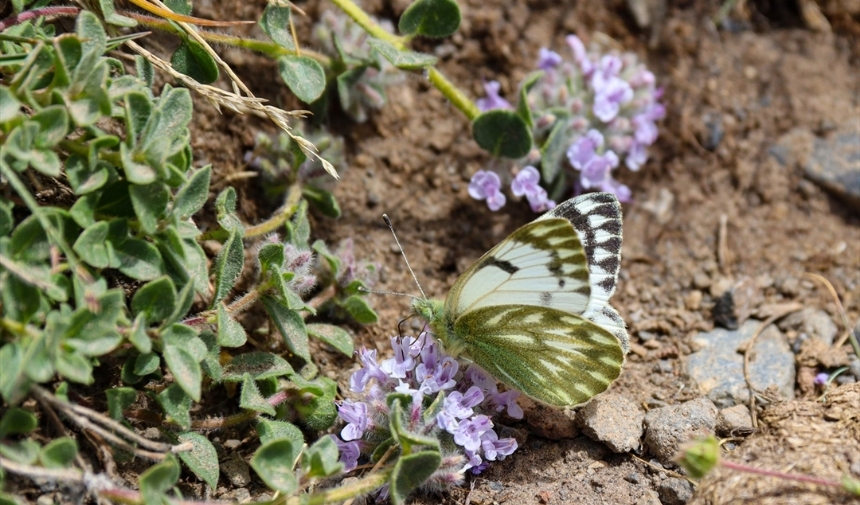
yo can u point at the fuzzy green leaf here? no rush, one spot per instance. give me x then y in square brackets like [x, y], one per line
[274, 462]
[430, 18]
[334, 336]
[17, 421]
[191, 59]
[523, 109]
[502, 133]
[156, 480]
[25, 451]
[275, 22]
[322, 200]
[321, 459]
[228, 265]
[146, 364]
[193, 194]
[74, 366]
[269, 430]
[318, 412]
[156, 299]
[185, 369]
[303, 75]
[176, 405]
[299, 227]
[271, 257]
[84, 177]
[92, 246]
[410, 472]
[251, 399]
[290, 325]
[9, 105]
[230, 332]
[261, 365]
[59, 453]
[7, 222]
[554, 150]
[202, 459]
[119, 399]
[111, 17]
[402, 59]
[150, 204]
[137, 335]
[53, 124]
[138, 259]
[359, 309]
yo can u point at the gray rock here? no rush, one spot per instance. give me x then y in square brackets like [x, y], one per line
[734, 421]
[649, 497]
[614, 420]
[835, 165]
[813, 322]
[240, 495]
[236, 470]
[675, 491]
[668, 428]
[718, 366]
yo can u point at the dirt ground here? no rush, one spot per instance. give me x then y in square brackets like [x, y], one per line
[731, 96]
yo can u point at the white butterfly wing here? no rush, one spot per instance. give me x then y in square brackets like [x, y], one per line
[596, 217]
[567, 260]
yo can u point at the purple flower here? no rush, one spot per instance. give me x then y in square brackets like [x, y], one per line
[469, 432]
[548, 59]
[477, 376]
[609, 98]
[526, 183]
[821, 379]
[621, 191]
[493, 100]
[355, 414]
[402, 361]
[475, 464]
[435, 374]
[497, 449]
[645, 129]
[486, 185]
[580, 55]
[580, 152]
[458, 406]
[507, 400]
[371, 370]
[636, 156]
[349, 453]
[596, 171]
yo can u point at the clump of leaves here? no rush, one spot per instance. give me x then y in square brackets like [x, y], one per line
[74, 123]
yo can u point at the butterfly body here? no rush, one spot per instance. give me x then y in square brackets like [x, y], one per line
[534, 312]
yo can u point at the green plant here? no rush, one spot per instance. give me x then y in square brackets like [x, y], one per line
[126, 217]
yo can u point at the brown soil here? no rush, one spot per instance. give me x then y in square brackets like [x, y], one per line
[414, 158]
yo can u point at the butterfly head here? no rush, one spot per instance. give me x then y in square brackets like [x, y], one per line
[431, 311]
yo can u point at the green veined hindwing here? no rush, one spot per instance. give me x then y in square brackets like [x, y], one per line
[534, 310]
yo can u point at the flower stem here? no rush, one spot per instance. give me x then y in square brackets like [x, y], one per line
[781, 475]
[453, 94]
[336, 495]
[370, 26]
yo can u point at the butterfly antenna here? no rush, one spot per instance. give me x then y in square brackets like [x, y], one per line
[402, 253]
[376, 292]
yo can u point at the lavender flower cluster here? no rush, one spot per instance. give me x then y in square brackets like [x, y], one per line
[337, 35]
[609, 107]
[421, 369]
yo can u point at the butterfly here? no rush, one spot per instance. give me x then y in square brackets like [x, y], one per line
[534, 310]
